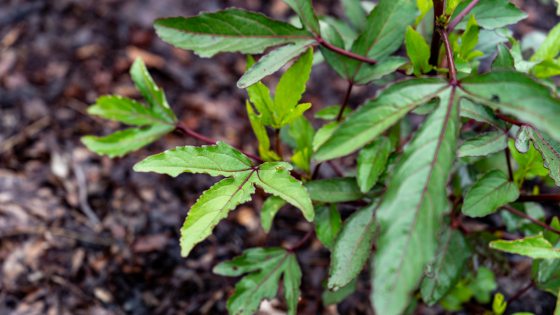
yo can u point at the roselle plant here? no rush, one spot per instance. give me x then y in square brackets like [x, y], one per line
[488, 143]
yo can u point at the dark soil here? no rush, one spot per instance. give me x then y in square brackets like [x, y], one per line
[82, 234]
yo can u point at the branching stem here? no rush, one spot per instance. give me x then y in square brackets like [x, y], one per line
[522, 214]
[461, 15]
[191, 133]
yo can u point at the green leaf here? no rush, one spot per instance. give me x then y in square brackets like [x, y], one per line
[550, 151]
[334, 190]
[152, 93]
[352, 248]
[331, 112]
[372, 162]
[377, 71]
[344, 66]
[291, 86]
[529, 164]
[536, 247]
[480, 113]
[231, 30]
[272, 62]
[408, 239]
[499, 304]
[376, 116]
[213, 206]
[304, 9]
[270, 207]
[266, 266]
[292, 282]
[384, 32]
[124, 110]
[334, 297]
[418, 51]
[274, 178]
[483, 285]
[504, 59]
[301, 133]
[516, 94]
[446, 270]
[355, 13]
[323, 134]
[549, 49]
[469, 40]
[125, 141]
[262, 136]
[327, 224]
[490, 14]
[484, 144]
[488, 194]
[215, 160]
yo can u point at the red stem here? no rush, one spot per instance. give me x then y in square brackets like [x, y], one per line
[343, 52]
[345, 101]
[191, 133]
[302, 241]
[451, 26]
[450, 60]
[509, 120]
[522, 214]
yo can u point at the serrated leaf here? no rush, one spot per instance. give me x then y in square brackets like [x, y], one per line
[408, 239]
[355, 13]
[516, 94]
[272, 62]
[215, 160]
[447, 267]
[488, 194]
[327, 224]
[304, 10]
[490, 14]
[262, 136]
[550, 151]
[265, 267]
[274, 178]
[372, 161]
[334, 190]
[124, 110]
[231, 30]
[376, 116]
[418, 51]
[291, 86]
[152, 93]
[484, 144]
[301, 133]
[352, 248]
[214, 205]
[270, 207]
[122, 142]
[536, 247]
[384, 32]
[529, 164]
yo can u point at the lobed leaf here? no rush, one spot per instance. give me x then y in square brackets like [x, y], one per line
[490, 14]
[216, 160]
[124, 110]
[274, 178]
[122, 142]
[270, 207]
[409, 226]
[516, 94]
[231, 30]
[376, 116]
[213, 206]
